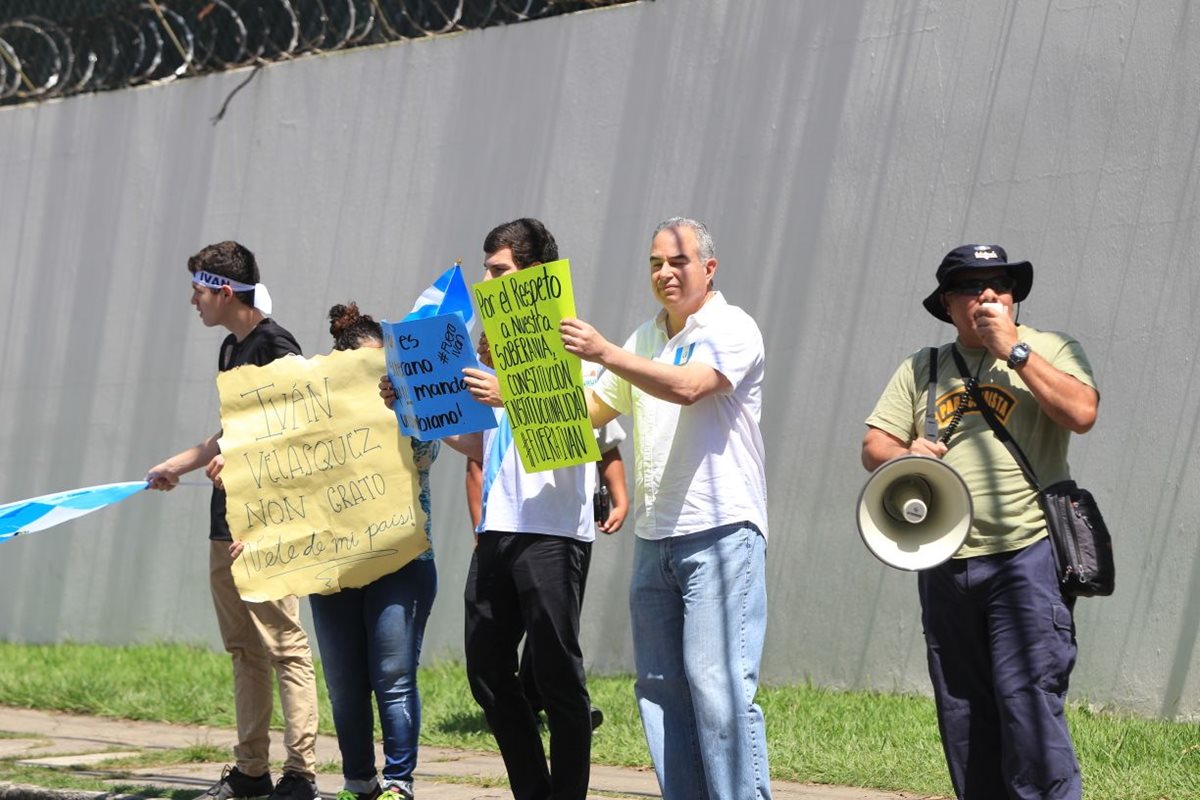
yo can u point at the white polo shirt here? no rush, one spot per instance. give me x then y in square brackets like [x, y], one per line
[701, 466]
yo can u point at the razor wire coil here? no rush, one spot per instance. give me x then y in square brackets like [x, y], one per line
[58, 48]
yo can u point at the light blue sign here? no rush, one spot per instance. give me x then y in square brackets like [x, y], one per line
[425, 359]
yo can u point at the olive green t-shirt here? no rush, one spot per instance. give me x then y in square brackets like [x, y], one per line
[1007, 514]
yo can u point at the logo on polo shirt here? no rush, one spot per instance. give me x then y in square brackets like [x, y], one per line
[1000, 399]
[684, 354]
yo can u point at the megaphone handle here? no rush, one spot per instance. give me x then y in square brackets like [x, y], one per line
[931, 426]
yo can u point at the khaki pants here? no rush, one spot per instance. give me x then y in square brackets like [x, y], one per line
[260, 636]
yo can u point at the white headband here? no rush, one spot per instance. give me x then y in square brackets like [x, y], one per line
[262, 298]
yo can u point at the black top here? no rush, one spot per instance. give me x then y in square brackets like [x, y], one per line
[267, 342]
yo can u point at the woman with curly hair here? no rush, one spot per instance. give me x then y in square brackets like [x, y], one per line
[370, 637]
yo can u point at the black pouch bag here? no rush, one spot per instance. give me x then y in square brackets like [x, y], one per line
[1082, 545]
[1083, 550]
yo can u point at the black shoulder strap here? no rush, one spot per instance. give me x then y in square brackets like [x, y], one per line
[997, 427]
[931, 426]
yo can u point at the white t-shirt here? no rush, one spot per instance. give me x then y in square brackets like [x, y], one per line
[701, 466]
[557, 502]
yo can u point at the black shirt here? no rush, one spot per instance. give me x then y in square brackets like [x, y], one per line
[267, 342]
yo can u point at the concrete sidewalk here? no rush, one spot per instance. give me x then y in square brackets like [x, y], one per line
[78, 743]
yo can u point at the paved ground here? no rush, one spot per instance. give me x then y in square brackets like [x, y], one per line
[65, 741]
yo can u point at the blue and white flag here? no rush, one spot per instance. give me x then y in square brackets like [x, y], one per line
[39, 513]
[448, 294]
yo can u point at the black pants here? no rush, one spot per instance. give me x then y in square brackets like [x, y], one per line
[524, 584]
[526, 671]
[1001, 646]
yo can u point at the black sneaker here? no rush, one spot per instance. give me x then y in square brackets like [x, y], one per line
[295, 787]
[235, 784]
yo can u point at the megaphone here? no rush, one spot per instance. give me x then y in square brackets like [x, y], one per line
[914, 512]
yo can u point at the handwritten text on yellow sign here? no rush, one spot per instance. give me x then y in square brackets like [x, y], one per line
[320, 486]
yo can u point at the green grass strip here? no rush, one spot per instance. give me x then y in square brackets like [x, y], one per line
[816, 735]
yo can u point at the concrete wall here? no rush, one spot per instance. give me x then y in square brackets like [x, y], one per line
[837, 149]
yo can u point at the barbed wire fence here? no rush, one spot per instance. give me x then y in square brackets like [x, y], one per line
[57, 48]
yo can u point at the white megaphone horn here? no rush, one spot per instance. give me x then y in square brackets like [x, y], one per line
[914, 512]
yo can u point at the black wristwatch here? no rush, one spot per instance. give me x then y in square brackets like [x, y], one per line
[1018, 355]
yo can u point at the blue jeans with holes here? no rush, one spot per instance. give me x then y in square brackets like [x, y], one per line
[370, 642]
[1001, 646]
[698, 607]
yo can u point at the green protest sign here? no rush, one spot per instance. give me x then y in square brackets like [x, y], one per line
[540, 382]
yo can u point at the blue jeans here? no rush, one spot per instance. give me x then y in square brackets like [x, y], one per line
[370, 642]
[698, 607]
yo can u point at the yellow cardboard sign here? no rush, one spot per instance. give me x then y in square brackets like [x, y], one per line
[320, 485]
[540, 382]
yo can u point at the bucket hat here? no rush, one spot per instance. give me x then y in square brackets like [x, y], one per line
[977, 256]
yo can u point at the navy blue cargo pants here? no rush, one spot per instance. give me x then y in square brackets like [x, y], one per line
[1001, 646]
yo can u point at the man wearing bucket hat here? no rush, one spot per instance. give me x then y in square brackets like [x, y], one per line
[1000, 636]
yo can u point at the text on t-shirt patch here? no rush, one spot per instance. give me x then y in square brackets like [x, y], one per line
[999, 399]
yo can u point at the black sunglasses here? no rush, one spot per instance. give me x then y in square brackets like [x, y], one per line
[1000, 284]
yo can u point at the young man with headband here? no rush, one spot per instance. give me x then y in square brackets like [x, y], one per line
[259, 636]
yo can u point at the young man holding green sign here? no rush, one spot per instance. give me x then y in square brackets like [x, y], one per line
[691, 378]
[526, 575]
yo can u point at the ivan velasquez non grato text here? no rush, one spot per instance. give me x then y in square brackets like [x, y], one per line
[278, 465]
[292, 410]
[267, 511]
